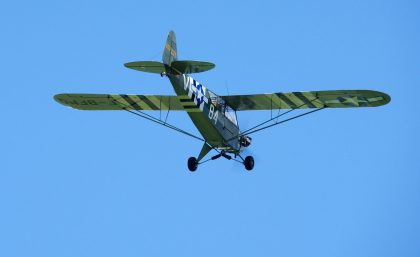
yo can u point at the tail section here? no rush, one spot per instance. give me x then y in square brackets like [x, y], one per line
[170, 64]
[170, 53]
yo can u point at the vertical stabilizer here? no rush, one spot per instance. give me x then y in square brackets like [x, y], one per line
[170, 64]
[169, 53]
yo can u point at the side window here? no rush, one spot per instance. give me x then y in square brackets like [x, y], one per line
[231, 115]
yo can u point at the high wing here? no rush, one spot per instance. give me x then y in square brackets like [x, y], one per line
[121, 102]
[309, 99]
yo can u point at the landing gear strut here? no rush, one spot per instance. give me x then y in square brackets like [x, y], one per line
[193, 162]
[248, 162]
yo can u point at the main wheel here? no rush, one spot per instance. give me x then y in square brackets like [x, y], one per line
[192, 164]
[249, 162]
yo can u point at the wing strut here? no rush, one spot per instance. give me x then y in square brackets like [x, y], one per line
[149, 117]
[275, 117]
[278, 122]
[258, 127]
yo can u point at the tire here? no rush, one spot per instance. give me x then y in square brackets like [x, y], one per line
[192, 164]
[249, 163]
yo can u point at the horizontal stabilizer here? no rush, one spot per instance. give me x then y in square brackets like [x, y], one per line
[176, 68]
[147, 66]
[188, 67]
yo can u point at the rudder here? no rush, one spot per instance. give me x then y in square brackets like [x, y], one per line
[170, 52]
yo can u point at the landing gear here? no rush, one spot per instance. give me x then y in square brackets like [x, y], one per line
[192, 164]
[249, 162]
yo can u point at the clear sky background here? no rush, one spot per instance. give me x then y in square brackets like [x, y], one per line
[342, 182]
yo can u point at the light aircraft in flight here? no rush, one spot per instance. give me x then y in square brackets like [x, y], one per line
[214, 115]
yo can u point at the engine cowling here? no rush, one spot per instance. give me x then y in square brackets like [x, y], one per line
[245, 141]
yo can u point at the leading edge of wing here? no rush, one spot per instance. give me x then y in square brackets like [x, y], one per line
[120, 102]
[308, 99]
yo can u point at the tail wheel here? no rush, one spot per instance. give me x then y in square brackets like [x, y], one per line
[249, 162]
[192, 164]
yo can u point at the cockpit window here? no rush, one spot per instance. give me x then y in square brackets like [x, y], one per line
[231, 115]
[221, 106]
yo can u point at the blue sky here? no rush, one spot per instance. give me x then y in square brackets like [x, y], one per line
[337, 183]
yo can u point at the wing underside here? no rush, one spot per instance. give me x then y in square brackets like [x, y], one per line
[309, 99]
[130, 102]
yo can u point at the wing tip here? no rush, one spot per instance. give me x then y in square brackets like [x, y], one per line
[59, 98]
[386, 98]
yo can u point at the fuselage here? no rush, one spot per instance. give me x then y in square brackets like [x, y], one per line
[214, 119]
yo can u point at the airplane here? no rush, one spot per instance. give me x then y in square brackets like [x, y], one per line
[213, 115]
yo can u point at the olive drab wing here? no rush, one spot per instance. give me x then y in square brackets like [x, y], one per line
[309, 99]
[126, 102]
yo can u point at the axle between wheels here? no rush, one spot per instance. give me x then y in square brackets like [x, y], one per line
[248, 162]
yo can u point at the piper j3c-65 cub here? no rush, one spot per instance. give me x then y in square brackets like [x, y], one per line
[214, 115]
